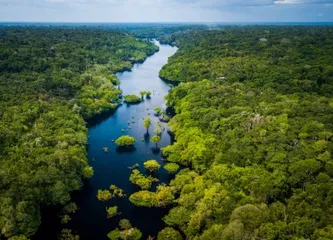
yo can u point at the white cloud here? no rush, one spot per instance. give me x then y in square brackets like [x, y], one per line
[303, 1]
[165, 10]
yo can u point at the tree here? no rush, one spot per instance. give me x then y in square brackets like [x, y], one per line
[125, 224]
[158, 131]
[142, 181]
[151, 165]
[142, 93]
[116, 191]
[159, 128]
[126, 232]
[143, 198]
[69, 208]
[21, 237]
[156, 139]
[147, 123]
[132, 99]
[66, 234]
[104, 195]
[158, 111]
[148, 93]
[112, 211]
[164, 196]
[125, 141]
[169, 233]
[171, 167]
[88, 172]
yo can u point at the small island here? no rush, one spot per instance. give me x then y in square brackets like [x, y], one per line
[132, 99]
[125, 141]
[171, 167]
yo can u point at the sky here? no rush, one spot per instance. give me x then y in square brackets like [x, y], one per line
[166, 10]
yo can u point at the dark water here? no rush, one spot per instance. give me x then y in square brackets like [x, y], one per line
[90, 221]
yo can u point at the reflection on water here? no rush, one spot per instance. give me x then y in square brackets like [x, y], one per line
[113, 167]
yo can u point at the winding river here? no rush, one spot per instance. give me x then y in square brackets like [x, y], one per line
[90, 222]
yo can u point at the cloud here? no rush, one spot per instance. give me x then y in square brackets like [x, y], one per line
[303, 2]
[166, 10]
[225, 3]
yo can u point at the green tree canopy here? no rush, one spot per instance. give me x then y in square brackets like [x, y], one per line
[152, 165]
[125, 141]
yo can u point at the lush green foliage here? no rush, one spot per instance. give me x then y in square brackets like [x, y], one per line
[157, 30]
[158, 111]
[126, 232]
[152, 165]
[143, 198]
[141, 180]
[147, 93]
[112, 211]
[132, 98]
[163, 197]
[116, 191]
[104, 195]
[51, 79]
[254, 125]
[169, 233]
[155, 139]
[125, 141]
[171, 167]
[66, 234]
[147, 123]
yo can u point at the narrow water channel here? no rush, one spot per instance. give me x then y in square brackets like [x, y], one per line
[90, 221]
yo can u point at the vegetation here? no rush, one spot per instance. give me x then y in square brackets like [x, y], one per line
[156, 139]
[66, 234]
[143, 93]
[116, 191]
[51, 80]
[88, 172]
[171, 167]
[152, 165]
[143, 198]
[147, 123]
[104, 195]
[126, 232]
[125, 141]
[159, 129]
[132, 99]
[112, 211]
[163, 197]
[253, 126]
[158, 111]
[70, 208]
[169, 233]
[141, 180]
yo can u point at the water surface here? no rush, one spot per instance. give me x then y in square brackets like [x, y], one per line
[90, 221]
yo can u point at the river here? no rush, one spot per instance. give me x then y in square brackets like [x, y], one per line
[90, 221]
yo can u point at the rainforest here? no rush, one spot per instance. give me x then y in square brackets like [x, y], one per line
[166, 132]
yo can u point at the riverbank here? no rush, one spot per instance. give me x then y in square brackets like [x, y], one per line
[90, 222]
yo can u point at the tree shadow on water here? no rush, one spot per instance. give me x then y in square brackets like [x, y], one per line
[146, 137]
[125, 149]
[155, 150]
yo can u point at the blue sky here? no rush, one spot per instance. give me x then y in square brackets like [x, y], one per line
[167, 10]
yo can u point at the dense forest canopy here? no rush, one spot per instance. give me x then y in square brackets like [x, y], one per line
[253, 126]
[51, 79]
[254, 114]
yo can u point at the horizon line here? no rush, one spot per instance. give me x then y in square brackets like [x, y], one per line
[165, 22]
